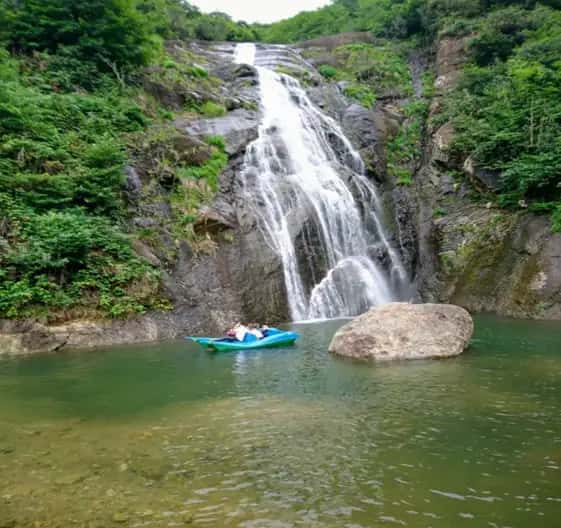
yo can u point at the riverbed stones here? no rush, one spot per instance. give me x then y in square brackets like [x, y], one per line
[405, 331]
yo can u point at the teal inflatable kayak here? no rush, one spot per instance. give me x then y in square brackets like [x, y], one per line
[273, 338]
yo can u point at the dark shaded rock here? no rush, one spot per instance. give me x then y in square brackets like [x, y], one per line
[214, 220]
[405, 216]
[361, 126]
[190, 150]
[311, 256]
[482, 179]
[174, 95]
[230, 73]
[169, 96]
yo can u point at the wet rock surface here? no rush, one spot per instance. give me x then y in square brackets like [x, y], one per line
[405, 331]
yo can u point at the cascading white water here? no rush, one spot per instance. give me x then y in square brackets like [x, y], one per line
[304, 194]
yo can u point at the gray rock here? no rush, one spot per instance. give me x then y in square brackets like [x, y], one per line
[451, 55]
[405, 331]
[359, 121]
[441, 142]
[238, 128]
[133, 183]
[483, 179]
[142, 250]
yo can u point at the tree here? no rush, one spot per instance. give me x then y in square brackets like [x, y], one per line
[111, 34]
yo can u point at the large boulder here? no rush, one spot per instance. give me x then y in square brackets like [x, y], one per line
[405, 331]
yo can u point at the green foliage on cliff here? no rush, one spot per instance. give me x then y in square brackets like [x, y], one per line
[363, 94]
[69, 260]
[61, 168]
[73, 113]
[404, 151]
[507, 110]
[210, 170]
[370, 70]
[329, 72]
[384, 18]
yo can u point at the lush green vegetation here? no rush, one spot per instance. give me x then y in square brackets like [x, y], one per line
[384, 18]
[404, 151]
[368, 70]
[73, 113]
[507, 111]
[507, 108]
[61, 166]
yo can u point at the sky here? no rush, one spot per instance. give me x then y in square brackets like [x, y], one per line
[258, 10]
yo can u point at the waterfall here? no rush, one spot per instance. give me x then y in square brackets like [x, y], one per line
[316, 207]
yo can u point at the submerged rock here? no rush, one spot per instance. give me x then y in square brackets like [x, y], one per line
[405, 331]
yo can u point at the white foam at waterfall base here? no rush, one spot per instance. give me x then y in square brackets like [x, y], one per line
[293, 176]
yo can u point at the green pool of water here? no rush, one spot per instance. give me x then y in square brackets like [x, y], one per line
[170, 435]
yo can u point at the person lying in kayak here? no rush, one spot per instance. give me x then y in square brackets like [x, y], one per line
[241, 332]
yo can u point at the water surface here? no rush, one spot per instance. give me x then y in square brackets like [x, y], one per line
[170, 435]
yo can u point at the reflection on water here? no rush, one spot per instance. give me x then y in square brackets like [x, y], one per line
[170, 435]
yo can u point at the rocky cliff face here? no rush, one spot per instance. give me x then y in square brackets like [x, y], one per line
[456, 248]
[470, 252]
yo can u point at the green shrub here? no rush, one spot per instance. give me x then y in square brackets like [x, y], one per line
[87, 36]
[364, 95]
[428, 80]
[405, 149]
[212, 168]
[64, 149]
[329, 72]
[211, 109]
[170, 64]
[196, 71]
[402, 175]
[456, 27]
[505, 114]
[216, 141]
[60, 260]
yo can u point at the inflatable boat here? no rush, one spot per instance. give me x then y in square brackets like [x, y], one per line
[273, 338]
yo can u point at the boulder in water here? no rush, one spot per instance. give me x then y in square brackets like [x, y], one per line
[405, 331]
